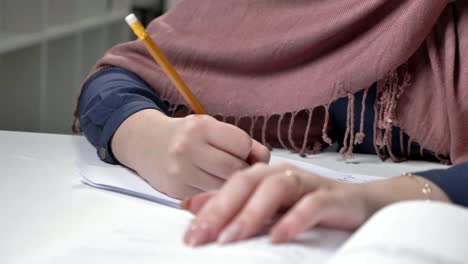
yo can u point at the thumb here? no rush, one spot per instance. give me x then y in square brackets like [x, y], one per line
[258, 153]
[196, 202]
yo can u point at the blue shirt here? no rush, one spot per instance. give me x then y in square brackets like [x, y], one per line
[114, 94]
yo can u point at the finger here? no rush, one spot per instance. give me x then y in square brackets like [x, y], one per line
[219, 210]
[218, 162]
[195, 203]
[230, 139]
[204, 181]
[172, 189]
[307, 213]
[180, 192]
[183, 177]
[258, 153]
[273, 193]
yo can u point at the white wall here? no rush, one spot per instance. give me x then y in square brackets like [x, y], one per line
[47, 47]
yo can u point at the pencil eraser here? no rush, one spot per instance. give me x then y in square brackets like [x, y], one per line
[131, 19]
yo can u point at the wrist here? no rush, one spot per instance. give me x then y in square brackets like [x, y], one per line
[379, 194]
[132, 133]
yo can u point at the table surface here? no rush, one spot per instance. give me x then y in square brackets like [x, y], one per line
[44, 203]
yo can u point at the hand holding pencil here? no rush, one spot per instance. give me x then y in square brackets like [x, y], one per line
[182, 156]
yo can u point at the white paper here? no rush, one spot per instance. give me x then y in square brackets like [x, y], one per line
[417, 232]
[325, 172]
[412, 232]
[154, 235]
[122, 180]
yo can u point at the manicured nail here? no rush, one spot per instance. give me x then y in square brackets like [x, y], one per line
[196, 235]
[230, 234]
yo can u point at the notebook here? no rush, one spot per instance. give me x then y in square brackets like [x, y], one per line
[416, 232]
[409, 233]
[122, 180]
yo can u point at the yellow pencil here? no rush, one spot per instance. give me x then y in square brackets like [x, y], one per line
[166, 66]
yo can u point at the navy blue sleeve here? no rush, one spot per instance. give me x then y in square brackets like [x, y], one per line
[108, 98]
[453, 181]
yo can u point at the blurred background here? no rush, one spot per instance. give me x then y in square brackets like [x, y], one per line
[47, 47]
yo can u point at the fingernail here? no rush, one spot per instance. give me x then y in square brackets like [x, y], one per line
[186, 204]
[230, 234]
[196, 235]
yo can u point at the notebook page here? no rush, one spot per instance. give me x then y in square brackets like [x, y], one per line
[325, 172]
[417, 232]
[122, 180]
[153, 234]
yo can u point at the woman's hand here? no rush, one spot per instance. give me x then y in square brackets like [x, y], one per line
[184, 156]
[256, 196]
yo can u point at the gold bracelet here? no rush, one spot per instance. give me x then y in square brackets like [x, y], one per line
[426, 187]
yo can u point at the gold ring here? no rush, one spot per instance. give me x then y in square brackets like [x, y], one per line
[297, 179]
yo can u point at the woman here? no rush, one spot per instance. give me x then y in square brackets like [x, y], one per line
[383, 77]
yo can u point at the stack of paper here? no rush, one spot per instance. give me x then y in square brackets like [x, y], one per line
[122, 180]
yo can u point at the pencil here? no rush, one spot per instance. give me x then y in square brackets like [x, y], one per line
[166, 66]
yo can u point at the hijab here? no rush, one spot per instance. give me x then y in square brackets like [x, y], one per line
[274, 67]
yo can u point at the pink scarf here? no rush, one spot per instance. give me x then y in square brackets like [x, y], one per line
[274, 67]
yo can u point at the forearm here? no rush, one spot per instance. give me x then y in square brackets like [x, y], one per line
[448, 185]
[382, 193]
[130, 134]
[453, 181]
[107, 100]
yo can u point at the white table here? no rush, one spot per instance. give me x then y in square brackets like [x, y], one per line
[43, 202]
